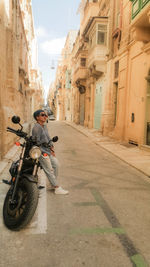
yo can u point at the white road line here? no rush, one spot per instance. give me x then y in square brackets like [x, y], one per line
[38, 224]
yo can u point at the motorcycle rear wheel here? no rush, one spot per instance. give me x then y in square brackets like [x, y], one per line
[18, 215]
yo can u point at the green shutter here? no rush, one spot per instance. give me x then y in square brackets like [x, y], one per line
[136, 7]
[68, 80]
[144, 2]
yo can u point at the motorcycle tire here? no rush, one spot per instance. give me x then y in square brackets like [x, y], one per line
[18, 215]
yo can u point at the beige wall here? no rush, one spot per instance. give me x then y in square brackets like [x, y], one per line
[16, 95]
[136, 95]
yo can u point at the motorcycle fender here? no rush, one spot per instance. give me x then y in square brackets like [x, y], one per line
[30, 178]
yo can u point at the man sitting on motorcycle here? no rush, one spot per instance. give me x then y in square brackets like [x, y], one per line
[47, 160]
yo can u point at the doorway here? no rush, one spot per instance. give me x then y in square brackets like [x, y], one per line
[98, 105]
[82, 108]
[148, 111]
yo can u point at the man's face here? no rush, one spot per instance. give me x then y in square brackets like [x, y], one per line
[42, 117]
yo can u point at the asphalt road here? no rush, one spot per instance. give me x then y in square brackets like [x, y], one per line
[103, 222]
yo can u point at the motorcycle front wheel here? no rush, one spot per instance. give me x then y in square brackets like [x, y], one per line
[19, 214]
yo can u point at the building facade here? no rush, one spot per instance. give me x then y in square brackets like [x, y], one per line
[17, 93]
[110, 69]
[127, 93]
[62, 87]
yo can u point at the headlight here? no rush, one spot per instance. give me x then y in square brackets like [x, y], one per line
[35, 152]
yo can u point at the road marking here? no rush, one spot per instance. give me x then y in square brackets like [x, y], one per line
[139, 261]
[38, 224]
[98, 231]
[85, 204]
[127, 244]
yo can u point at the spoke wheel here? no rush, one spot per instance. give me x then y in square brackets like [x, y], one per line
[19, 213]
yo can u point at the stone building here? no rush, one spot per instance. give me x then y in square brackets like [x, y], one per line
[16, 67]
[63, 88]
[90, 74]
[110, 69]
[127, 100]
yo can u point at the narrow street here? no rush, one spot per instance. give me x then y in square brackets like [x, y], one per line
[103, 222]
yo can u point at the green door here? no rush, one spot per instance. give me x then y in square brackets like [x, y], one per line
[98, 106]
[82, 106]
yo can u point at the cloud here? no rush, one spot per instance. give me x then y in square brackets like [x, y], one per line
[41, 32]
[53, 46]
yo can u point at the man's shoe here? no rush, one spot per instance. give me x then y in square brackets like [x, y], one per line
[60, 191]
[41, 186]
[6, 182]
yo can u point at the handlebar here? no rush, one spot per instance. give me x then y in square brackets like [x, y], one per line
[11, 130]
[17, 132]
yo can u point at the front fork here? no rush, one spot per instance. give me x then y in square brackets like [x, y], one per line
[18, 174]
[35, 170]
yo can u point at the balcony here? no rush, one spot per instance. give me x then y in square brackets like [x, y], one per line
[97, 58]
[80, 74]
[80, 70]
[139, 6]
[97, 35]
[91, 9]
[140, 24]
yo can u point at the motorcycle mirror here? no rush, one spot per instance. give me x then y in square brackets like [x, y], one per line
[55, 139]
[15, 119]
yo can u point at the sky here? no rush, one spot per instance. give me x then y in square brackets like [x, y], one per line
[52, 21]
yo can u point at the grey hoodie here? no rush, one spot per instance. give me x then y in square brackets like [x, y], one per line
[41, 136]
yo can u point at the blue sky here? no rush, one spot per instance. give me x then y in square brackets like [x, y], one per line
[52, 21]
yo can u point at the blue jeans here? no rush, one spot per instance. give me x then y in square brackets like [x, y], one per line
[50, 167]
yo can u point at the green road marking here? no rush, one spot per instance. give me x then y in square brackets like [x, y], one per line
[98, 231]
[139, 261]
[97, 197]
[85, 204]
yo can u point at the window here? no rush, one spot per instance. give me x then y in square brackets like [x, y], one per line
[116, 69]
[98, 35]
[83, 62]
[93, 40]
[102, 34]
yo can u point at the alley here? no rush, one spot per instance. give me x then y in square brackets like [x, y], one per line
[103, 222]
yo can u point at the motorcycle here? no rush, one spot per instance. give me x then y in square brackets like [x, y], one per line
[22, 197]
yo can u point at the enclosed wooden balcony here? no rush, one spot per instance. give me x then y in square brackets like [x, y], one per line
[91, 9]
[80, 67]
[140, 23]
[97, 57]
[97, 36]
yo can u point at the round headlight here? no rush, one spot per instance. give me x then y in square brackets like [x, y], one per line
[35, 152]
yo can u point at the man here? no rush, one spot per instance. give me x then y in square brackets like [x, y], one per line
[49, 162]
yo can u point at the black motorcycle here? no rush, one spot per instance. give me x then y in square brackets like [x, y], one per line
[22, 197]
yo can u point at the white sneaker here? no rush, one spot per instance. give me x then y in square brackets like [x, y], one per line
[60, 191]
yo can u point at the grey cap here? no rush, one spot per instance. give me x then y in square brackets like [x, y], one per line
[37, 113]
